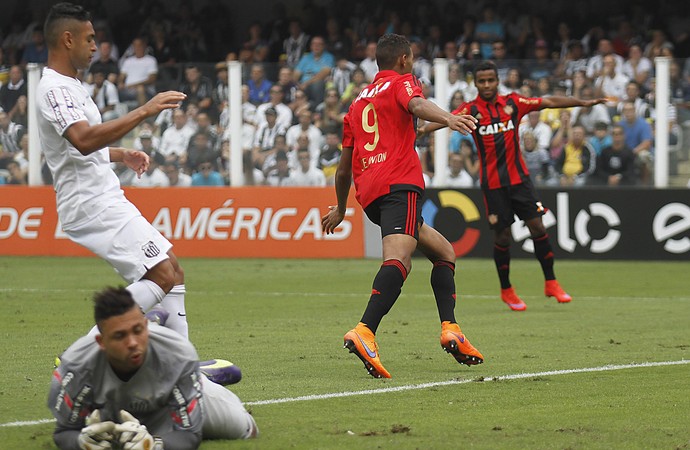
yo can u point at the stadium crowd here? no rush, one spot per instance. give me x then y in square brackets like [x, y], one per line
[301, 74]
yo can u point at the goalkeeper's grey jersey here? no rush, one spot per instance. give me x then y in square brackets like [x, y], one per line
[164, 394]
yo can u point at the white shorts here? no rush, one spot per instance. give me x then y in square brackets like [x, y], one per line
[224, 414]
[124, 238]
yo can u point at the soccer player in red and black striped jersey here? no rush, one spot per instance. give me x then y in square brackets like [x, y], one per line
[378, 151]
[504, 177]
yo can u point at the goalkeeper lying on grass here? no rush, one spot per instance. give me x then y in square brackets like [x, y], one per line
[137, 386]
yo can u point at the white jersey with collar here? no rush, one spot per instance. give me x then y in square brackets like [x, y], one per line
[84, 185]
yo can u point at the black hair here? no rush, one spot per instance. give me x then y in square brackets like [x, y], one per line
[389, 48]
[485, 65]
[111, 302]
[58, 15]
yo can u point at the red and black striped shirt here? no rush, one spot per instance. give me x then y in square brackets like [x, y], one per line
[497, 138]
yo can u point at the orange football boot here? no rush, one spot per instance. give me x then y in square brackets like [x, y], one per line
[362, 342]
[553, 289]
[511, 299]
[454, 342]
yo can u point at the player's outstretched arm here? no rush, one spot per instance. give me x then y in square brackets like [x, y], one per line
[343, 179]
[88, 139]
[427, 110]
[557, 101]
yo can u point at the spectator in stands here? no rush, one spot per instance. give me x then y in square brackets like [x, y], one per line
[147, 142]
[35, 51]
[287, 84]
[330, 113]
[657, 44]
[616, 163]
[258, 85]
[264, 138]
[204, 126]
[199, 90]
[207, 175]
[577, 161]
[175, 139]
[16, 175]
[489, 30]
[279, 175]
[577, 84]
[601, 138]
[352, 89]
[610, 83]
[176, 178]
[512, 83]
[313, 133]
[368, 64]
[313, 69]
[10, 134]
[541, 131]
[638, 137]
[20, 113]
[306, 174]
[450, 52]
[22, 158]
[275, 102]
[633, 94]
[105, 95]
[295, 45]
[456, 175]
[575, 59]
[13, 89]
[329, 157]
[595, 65]
[538, 160]
[637, 67]
[421, 67]
[165, 50]
[300, 103]
[561, 134]
[541, 66]
[339, 45]
[588, 116]
[200, 149]
[220, 89]
[105, 62]
[341, 75]
[137, 79]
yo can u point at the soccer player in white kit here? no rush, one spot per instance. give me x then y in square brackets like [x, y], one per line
[138, 385]
[91, 205]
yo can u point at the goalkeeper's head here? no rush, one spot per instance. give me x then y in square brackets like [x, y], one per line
[123, 330]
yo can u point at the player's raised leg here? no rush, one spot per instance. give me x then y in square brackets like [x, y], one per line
[441, 254]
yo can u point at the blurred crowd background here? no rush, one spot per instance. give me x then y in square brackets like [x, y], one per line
[304, 62]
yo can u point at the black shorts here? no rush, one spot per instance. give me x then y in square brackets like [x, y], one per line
[503, 204]
[399, 212]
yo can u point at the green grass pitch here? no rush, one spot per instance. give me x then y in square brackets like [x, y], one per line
[282, 322]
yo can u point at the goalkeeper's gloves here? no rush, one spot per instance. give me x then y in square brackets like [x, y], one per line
[96, 435]
[134, 436]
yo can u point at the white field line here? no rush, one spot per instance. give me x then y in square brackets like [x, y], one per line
[413, 387]
[362, 294]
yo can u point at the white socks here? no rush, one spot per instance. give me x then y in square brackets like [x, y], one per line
[146, 293]
[174, 304]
